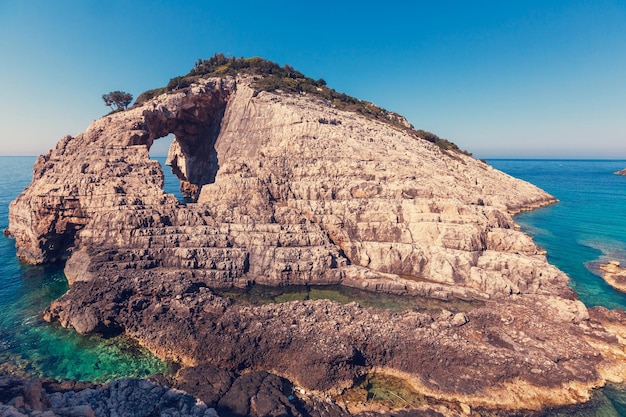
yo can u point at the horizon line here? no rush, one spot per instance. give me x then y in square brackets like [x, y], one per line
[570, 158]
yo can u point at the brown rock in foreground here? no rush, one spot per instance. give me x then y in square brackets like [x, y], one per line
[282, 196]
[123, 398]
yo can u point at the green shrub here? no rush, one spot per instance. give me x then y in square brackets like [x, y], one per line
[178, 83]
[148, 95]
[443, 144]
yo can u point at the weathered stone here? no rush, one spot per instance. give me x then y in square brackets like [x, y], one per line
[123, 398]
[23, 393]
[76, 411]
[281, 199]
[278, 198]
[257, 394]
[209, 383]
[129, 397]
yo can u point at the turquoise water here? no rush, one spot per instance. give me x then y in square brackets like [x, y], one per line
[171, 184]
[587, 226]
[30, 345]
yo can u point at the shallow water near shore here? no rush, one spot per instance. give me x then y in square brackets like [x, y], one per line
[28, 344]
[586, 226]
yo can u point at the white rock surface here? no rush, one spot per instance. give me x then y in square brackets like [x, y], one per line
[281, 198]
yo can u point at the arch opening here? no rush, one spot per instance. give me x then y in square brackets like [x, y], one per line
[158, 152]
[195, 127]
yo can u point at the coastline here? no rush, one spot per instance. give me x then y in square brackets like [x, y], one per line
[534, 206]
[478, 408]
[164, 319]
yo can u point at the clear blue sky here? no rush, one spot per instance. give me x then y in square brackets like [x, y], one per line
[507, 78]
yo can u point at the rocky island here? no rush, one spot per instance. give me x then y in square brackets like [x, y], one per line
[290, 184]
[622, 172]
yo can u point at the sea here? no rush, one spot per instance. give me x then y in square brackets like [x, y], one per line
[585, 228]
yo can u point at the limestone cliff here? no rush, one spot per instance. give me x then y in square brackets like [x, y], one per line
[287, 189]
[279, 198]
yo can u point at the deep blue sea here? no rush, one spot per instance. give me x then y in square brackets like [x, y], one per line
[587, 226]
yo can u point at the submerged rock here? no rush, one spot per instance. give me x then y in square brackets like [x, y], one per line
[614, 275]
[278, 195]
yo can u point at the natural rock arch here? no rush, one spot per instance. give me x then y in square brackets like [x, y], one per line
[196, 125]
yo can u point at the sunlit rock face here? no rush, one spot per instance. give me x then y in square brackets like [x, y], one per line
[283, 190]
[288, 190]
[107, 169]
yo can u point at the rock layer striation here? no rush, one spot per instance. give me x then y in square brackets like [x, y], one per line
[288, 190]
[281, 196]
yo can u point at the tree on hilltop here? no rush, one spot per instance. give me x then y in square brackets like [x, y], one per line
[119, 99]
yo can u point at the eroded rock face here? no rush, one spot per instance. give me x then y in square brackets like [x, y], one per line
[281, 196]
[123, 398]
[622, 172]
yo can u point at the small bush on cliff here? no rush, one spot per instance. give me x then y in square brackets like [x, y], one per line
[443, 144]
[150, 94]
[119, 99]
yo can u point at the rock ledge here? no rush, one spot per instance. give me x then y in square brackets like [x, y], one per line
[614, 275]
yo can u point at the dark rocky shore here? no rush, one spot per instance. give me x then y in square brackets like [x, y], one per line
[216, 392]
[294, 189]
[125, 397]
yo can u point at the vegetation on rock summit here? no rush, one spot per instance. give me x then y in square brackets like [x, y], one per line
[271, 77]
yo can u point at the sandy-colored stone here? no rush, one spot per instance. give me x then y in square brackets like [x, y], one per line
[614, 275]
[277, 197]
[281, 199]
